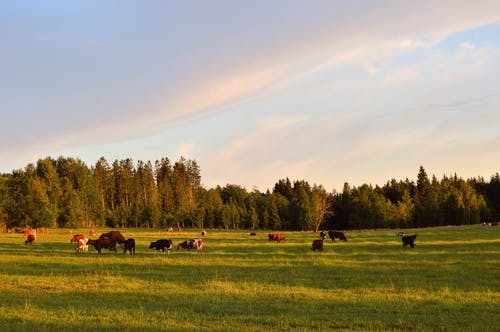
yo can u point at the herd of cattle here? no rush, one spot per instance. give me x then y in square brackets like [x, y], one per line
[317, 245]
[111, 239]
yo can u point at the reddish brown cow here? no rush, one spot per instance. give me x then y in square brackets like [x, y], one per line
[276, 237]
[76, 238]
[317, 245]
[29, 231]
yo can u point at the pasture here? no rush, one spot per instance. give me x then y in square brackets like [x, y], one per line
[450, 281]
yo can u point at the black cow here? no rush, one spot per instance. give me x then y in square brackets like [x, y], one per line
[128, 245]
[339, 235]
[409, 240]
[102, 243]
[322, 235]
[162, 245]
[30, 239]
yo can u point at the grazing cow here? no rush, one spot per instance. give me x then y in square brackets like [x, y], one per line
[102, 243]
[92, 233]
[82, 245]
[336, 235]
[203, 233]
[76, 238]
[276, 237]
[162, 245]
[409, 240]
[322, 235]
[129, 246]
[191, 244]
[115, 236]
[30, 239]
[253, 234]
[317, 245]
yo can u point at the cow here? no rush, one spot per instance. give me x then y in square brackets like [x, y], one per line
[336, 235]
[191, 244]
[92, 233]
[203, 233]
[129, 246]
[116, 236]
[30, 239]
[409, 240]
[401, 234]
[253, 234]
[76, 238]
[317, 245]
[276, 237]
[82, 245]
[322, 235]
[162, 245]
[29, 231]
[103, 243]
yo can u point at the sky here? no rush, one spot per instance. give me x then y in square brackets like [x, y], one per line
[255, 91]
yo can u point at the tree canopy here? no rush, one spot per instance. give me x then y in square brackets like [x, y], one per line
[65, 192]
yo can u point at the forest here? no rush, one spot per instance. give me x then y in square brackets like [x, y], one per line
[65, 192]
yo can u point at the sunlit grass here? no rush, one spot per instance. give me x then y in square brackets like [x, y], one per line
[449, 281]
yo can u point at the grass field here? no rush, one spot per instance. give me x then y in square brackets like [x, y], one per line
[448, 282]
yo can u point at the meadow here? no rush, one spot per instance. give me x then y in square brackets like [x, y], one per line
[449, 282]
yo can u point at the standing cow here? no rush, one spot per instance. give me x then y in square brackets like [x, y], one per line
[76, 238]
[409, 240]
[336, 235]
[99, 244]
[30, 239]
[82, 245]
[129, 246]
[276, 237]
[30, 235]
[162, 245]
[191, 244]
[317, 245]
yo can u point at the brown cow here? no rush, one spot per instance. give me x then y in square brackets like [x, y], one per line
[76, 238]
[30, 231]
[115, 236]
[102, 243]
[317, 245]
[276, 237]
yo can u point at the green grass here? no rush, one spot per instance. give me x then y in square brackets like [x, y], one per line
[448, 282]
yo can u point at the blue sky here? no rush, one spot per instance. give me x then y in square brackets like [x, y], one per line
[256, 91]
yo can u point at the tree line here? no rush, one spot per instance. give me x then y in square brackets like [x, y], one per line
[65, 192]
